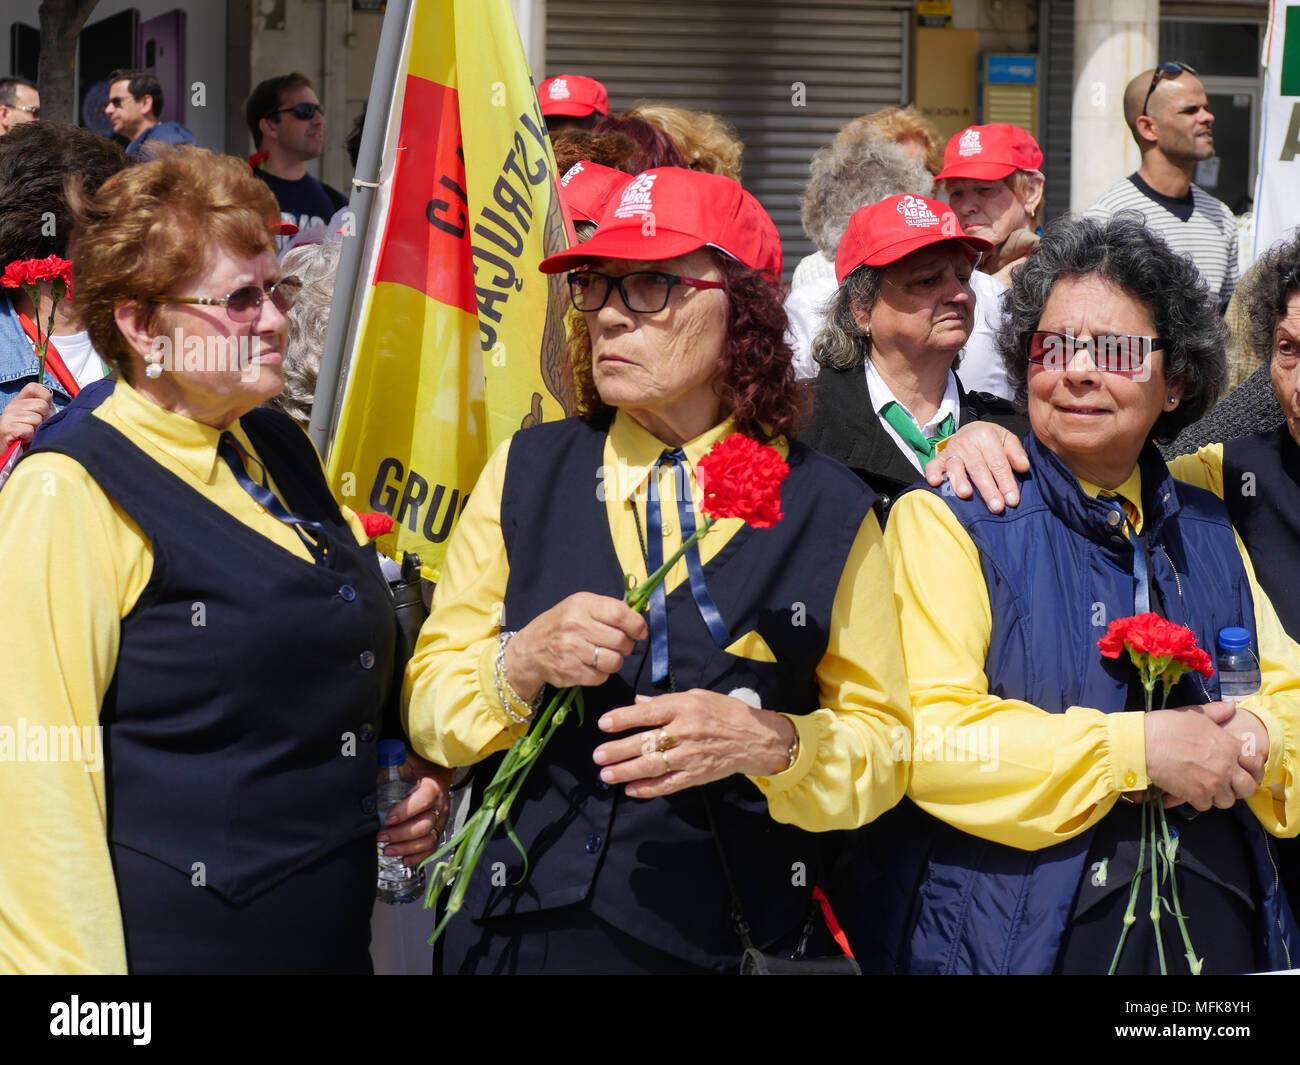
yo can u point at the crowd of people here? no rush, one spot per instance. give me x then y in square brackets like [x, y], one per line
[880, 730]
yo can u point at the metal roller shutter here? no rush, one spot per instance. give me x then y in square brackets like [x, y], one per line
[745, 60]
[1056, 44]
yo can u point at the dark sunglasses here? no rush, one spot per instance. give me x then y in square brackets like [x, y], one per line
[644, 292]
[1166, 70]
[118, 101]
[1114, 354]
[35, 112]
[303, 111]
[245, 304]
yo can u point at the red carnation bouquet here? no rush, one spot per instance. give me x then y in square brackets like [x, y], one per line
[28, 274]
[739, 478]
[1162, 652]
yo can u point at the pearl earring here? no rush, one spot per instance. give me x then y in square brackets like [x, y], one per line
[153, 371]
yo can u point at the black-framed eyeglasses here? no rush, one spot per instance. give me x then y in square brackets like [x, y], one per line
[643, 292]
[304, 111]
[1113, 353]
[118, 101]
[1166, 70]
[245, 304]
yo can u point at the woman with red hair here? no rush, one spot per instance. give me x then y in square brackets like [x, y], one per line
[763, 696]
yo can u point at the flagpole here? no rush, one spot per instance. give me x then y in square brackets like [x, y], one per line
[340, 333]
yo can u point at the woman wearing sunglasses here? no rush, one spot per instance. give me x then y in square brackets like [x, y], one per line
[763, 691]
[1030, 849]
[185, 597]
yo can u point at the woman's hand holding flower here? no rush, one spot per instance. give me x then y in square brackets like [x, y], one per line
[1193, 759]
[690, 738]
[582, 640]
[24, 414]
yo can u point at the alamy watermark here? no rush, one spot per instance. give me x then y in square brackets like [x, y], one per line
[53, 743]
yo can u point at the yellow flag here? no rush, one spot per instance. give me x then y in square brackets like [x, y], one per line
[460, 340]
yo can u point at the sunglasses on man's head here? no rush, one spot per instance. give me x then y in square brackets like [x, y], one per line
[304, 111]
[1119, 353]
[245, 304]
[1166, 70]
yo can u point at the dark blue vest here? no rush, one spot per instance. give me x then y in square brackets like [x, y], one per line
[1261, 487]
[649, 866]
[1057, 573]
[240, 724]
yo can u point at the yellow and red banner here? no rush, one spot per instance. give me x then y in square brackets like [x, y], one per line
[460, 340]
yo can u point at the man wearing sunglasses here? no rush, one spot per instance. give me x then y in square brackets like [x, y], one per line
[1167, 112]
[135, 107]
[19, 103]
[287, 124]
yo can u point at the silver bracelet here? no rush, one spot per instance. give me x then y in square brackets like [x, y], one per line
[506, 694]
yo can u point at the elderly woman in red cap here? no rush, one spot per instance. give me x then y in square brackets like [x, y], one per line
[886, 393]
[993, 182]
[765, 690]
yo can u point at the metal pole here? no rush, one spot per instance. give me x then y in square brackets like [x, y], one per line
[340, 334]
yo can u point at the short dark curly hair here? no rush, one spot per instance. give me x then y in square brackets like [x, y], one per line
[756, 385]
[37, 159]
[1264, 294]
[1123, 251]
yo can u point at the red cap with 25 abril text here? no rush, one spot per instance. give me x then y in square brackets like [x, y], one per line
[882, 233]
[668, 212]
[990, 153]
[573, 95]
[587, 189]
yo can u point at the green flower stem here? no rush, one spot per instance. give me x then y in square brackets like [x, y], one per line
[1129, 913]
[1154, 795]
[639, 598]
[1171, 857]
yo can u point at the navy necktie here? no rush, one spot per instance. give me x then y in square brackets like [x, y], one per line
[1141, 575]
[694, 568]
[229, 449]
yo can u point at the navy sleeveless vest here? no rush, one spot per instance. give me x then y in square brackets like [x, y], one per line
[1057, 573]
[649, 867]
[241, 722]
[1261, 487]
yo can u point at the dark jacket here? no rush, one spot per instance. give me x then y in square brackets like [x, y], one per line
[845, 427]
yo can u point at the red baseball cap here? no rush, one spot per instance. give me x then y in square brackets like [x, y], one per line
[882, 233]
[588, 187]
[989, 153]
[573, 95]
[670, 211]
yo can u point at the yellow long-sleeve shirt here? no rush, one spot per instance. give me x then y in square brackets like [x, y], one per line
[73, 564]
[850, 767]
[1057, 774]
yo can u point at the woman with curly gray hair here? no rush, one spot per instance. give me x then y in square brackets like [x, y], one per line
[1031, 855]
[316, 265]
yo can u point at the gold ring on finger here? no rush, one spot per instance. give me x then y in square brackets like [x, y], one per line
[665, 742]
[595, 658]
[667, 765]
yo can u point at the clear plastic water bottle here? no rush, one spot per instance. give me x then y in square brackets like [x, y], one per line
[396, 882]
[1237, 665]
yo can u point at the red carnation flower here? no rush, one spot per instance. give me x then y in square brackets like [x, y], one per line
[16, 273]
[741, 478]
[376, 524]
[1150, 634]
